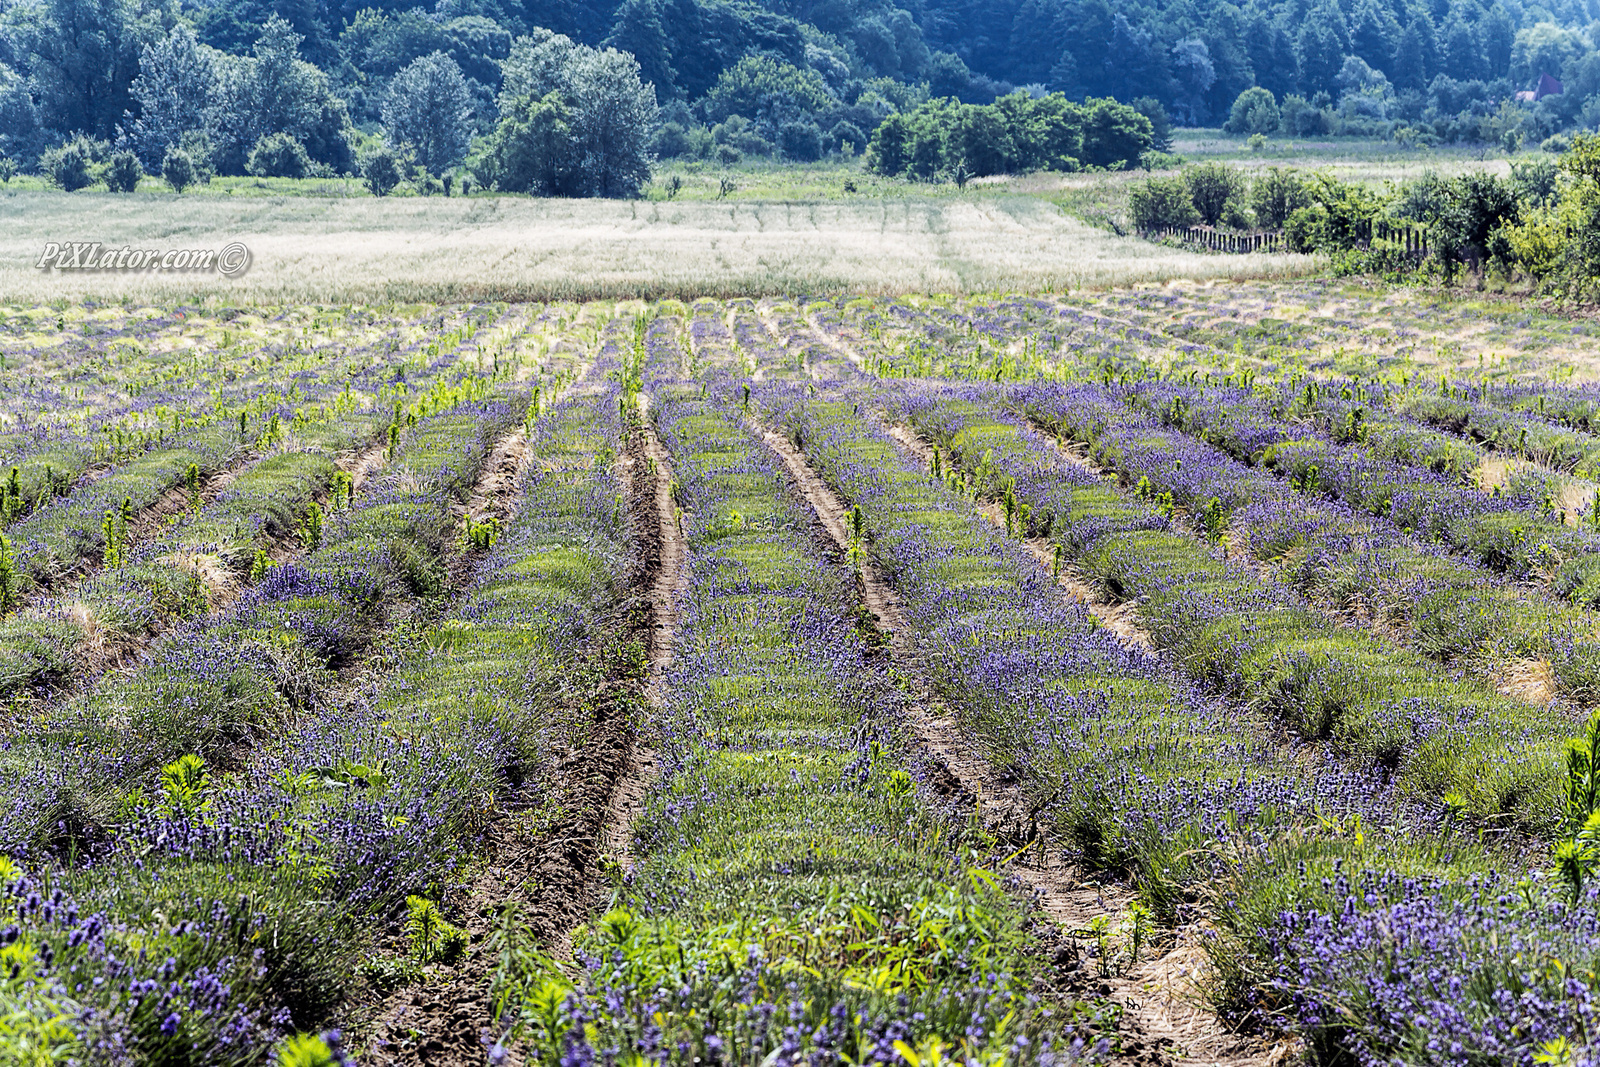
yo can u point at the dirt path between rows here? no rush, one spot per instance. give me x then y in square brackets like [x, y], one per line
[657, 519]
[1165, 1020]
[556, 875]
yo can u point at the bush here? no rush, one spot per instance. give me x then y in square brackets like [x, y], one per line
[71, 167]
[1535, 181]
[1212, 187]
[741, 133]
[1153, 160]
[1162, 202]
[1254, 111]
[381, 171]
[1303, 118]
[846, 138]
[178, 169]
[671, 141]
[1276, 195]
[1114, 135]
[124, 172]
[1306, 228]
[800, 141]
[278, 155]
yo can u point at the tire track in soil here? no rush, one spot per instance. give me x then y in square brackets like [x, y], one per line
[1169, 1024]
[652, 482]
[495, 495]
[555, 877]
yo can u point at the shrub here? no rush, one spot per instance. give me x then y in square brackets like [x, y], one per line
[1304, 118]
[1161, 202]
[1276, 195]
[1212, 187]
[1535, 181]
[71, 167]
[671, 141]
[846, 138]
[381, 171]
[1254, 111]
[738, 132]
[178, 169]
[1306, 228]
[278, 155]
[123, 173]
[800, 141]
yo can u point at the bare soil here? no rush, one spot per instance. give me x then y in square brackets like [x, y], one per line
[556, 874]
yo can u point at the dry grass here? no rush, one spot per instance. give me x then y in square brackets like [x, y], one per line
[326, 250]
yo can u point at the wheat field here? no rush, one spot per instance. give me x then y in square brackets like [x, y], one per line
[336, 250]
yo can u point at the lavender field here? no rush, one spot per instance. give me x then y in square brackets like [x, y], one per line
[1196, 674]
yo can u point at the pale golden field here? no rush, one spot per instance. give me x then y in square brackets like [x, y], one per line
[309, 249]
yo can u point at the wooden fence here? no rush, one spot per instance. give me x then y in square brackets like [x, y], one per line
[1411, 238]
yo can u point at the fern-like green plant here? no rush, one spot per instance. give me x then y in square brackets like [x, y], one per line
[343, 489]
[481, 536]
[111, 536]
[11, 496]
[1577, 857]
[183, 785]
[8, 576]
[432, 938]
[311, 529]
[312, 1050]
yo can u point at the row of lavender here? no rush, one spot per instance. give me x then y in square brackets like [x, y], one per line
[1331, 956]
[1376, 928]
[793, 900]
[131, 393]
[169, 552]
[61, 537]
[1339, 441]
[210, 839]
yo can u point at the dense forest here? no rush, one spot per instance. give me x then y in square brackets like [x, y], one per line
[313, 86]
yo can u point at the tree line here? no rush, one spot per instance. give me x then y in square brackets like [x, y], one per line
[1540, 223]
[318, 86]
